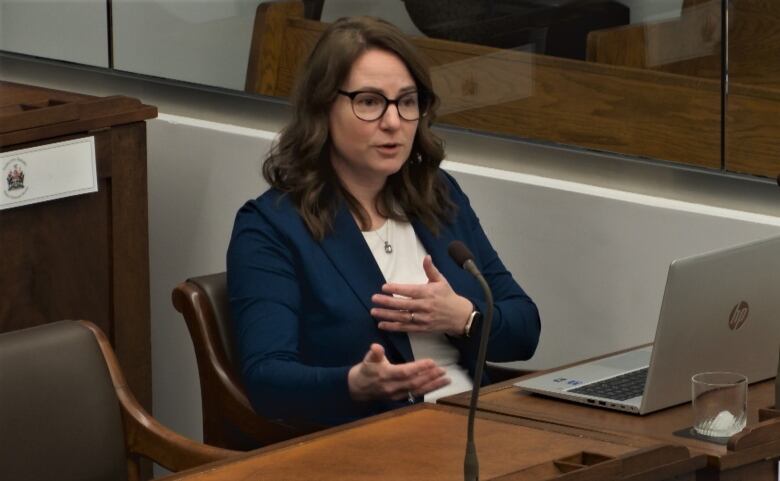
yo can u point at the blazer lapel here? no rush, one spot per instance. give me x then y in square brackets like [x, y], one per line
[347, 250]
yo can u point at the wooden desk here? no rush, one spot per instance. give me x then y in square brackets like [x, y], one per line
[427, 442]
[751, 455]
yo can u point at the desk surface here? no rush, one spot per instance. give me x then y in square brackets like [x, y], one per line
[504, 398]
[428, 442]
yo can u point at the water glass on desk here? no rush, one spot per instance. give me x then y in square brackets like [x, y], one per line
[719, 403]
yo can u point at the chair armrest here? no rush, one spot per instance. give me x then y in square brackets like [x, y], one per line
[236, 408]
[223, 396]
[148, 438]
[144, 435]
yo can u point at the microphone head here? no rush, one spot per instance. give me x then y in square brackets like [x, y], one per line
[459, 252]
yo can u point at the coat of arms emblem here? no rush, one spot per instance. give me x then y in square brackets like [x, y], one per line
[14, 178]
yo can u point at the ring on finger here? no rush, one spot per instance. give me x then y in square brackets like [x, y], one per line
[411, 319]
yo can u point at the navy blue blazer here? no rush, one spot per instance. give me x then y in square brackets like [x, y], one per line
[301, 307]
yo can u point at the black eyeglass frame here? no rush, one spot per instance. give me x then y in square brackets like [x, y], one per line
[422, 103]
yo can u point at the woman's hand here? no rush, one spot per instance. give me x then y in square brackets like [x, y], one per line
[375, 378]
[431, 307]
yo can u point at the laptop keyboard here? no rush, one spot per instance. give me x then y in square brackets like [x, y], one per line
[619, 388]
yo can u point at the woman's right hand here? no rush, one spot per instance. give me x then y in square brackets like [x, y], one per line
[375, 378]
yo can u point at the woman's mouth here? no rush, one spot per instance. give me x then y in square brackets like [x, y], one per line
[389, 148]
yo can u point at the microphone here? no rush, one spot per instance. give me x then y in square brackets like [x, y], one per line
[465, 259]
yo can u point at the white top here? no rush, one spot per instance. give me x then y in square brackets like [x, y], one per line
[405, 265]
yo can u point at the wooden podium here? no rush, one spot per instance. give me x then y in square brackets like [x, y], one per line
[84, 256]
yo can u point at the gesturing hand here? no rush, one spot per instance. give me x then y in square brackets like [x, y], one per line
[431, 307]
[375, 378]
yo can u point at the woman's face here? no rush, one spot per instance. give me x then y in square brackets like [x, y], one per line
[365, 153]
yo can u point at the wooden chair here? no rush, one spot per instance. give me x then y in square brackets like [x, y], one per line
[66, 412]
[229, 420]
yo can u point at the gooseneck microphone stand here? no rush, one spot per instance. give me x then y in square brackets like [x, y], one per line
[464, 258]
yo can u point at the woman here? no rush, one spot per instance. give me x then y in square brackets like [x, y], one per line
[344, 299]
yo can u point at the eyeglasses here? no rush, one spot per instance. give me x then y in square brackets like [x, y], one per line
[370, 106]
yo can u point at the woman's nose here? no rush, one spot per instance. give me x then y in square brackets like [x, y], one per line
[391, 118]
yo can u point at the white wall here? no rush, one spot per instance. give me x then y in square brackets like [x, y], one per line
[198, 179]
[594, 259]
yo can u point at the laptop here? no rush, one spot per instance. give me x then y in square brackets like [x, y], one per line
[720, 312]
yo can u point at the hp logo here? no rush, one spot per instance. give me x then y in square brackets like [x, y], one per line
[738, 315]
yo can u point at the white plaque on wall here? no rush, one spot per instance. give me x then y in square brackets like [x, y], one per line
[48, 172]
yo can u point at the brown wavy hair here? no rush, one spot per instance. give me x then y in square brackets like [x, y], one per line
[299, 163]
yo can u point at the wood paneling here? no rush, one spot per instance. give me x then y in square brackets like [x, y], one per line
[753, 131]
[81, 257]
[129, 263]
[54, 261]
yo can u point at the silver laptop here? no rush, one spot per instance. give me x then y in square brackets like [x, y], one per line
[720, 312]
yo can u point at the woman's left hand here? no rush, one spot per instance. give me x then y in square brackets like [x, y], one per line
[431, 307]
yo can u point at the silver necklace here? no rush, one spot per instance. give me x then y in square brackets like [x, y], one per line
[388, 246]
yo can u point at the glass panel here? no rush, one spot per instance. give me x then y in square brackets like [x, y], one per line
[78, 30]
[635, 77]
[394, 12]
[658, 92]
[752, 127]
[203, 42]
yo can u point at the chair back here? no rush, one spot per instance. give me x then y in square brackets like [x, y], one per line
[216, 312]
[229, 421]
[59, 413]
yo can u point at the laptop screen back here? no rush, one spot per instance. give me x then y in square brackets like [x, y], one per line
[720, 312]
